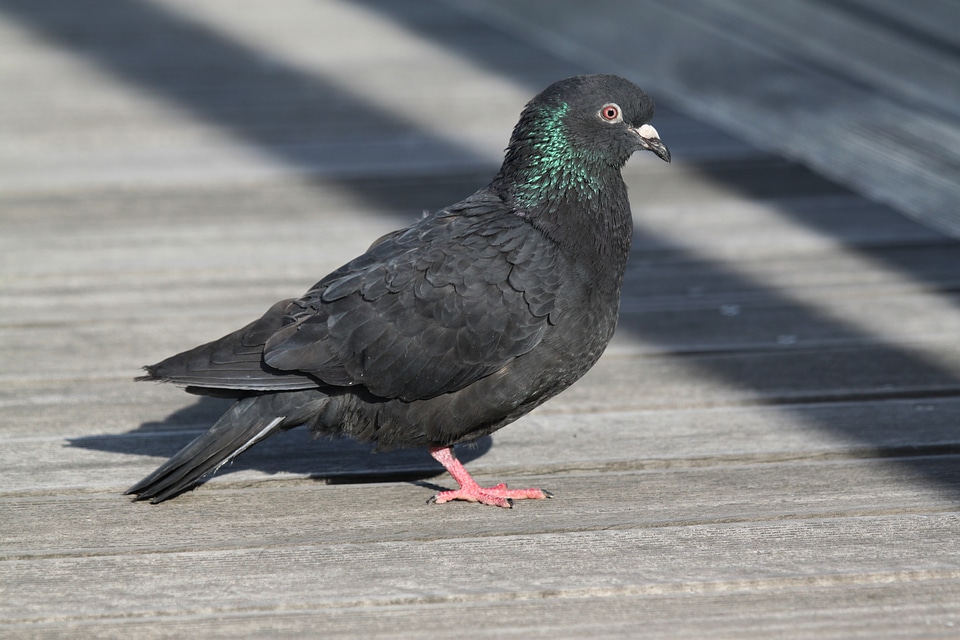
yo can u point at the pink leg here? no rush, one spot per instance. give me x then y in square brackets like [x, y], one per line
[496, 496]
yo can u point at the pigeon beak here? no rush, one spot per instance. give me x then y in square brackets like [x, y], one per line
[650, 140]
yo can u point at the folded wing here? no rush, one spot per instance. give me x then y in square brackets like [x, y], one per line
[425, 311]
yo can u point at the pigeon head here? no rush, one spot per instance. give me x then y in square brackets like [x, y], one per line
[574, 137]
[600, 117]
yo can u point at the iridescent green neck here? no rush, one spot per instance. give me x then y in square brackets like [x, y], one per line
[549, 167]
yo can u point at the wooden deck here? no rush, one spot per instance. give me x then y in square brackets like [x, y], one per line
[769, 448]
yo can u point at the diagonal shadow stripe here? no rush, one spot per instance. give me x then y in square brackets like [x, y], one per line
[301, 119]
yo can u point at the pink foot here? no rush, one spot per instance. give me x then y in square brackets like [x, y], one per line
[496, 496]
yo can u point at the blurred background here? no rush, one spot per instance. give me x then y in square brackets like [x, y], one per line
[106, 92]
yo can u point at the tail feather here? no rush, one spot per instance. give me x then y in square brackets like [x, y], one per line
[242, 426]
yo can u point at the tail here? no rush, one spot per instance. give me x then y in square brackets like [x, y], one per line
[246, 423]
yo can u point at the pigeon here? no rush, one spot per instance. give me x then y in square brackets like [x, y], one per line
[451, 328]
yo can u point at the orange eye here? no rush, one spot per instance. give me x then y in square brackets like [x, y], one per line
[610, 112]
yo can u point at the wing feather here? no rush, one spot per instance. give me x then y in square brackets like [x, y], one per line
[442, 304]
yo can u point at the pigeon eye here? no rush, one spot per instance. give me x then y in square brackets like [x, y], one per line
[611, 113]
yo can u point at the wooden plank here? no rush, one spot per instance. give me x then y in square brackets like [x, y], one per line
[762, 556]
[100, 449]
[804, 611]
[238, 514]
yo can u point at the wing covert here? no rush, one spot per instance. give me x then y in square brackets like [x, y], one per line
[427, 311]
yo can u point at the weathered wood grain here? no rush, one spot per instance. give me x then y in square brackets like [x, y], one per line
[798, 610]
[714, 559]
[679, 494]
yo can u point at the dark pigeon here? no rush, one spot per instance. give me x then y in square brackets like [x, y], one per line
[454, 327]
